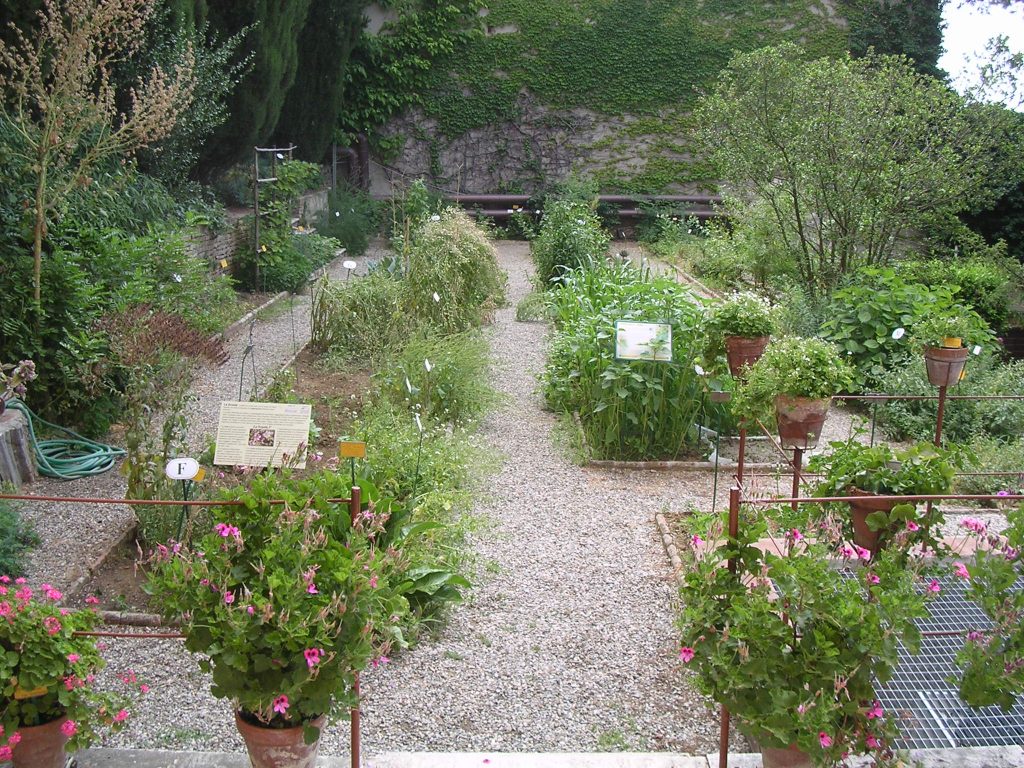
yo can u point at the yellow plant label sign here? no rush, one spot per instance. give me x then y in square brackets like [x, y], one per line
[21, 694]
[351, 450]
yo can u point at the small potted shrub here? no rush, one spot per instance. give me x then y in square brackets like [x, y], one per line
[51, 704]
[284, 603]
[797, 377]
[795, 649]
[855, 469]
[745, 323]
[946, 338]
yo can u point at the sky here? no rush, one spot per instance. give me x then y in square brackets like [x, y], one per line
[967, 31]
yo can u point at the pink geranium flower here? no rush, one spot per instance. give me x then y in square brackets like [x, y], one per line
[281, 704]
[825, 740]
[686, 654]
[862, 553]
[875, 710]
[934, 586]
[872, 743]
[69, 728]
[912, 526]
[961, 570]
[872, 578]
[312, 656]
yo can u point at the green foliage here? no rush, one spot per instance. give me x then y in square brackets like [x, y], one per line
[271, 32]
[955, 322]
[294, 564]
[992, 659]
[770, 640]
[795, 367]
[361, 321]
[313, 104]
[570, 237]
[629, 409]
[852, 156]
[993, 454]
[912, 28]
[987, 283]
[453, 281]
[963, 419]
[352, 217]
[443, 378]
[17, 539]
[861, 318]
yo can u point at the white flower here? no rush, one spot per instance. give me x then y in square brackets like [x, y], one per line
[337, 213]
[698, 369]
[435, 217]
[898, 333]
[177, 279]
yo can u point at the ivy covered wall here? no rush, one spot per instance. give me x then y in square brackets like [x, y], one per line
[600, 87]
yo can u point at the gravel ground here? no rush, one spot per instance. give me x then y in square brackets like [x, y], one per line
[567, 642]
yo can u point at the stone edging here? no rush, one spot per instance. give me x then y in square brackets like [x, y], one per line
[92, 568]
[670, 547]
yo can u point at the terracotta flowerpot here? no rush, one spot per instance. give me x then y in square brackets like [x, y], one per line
[785, 757]
[800, 420]
[41, 746]
[944, 365]
[743, 351]
[868, 502]
[278, 747]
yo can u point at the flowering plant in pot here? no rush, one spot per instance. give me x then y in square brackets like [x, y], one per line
[851, 468]
[740, 327]
[946, 338]
[797, 377]
[284, 603]
[50, 700]
[796, 648]
[992, 659]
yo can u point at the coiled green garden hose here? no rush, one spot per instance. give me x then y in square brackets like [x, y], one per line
[67, 459]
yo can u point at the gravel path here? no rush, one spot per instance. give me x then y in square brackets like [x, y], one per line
[566, 644]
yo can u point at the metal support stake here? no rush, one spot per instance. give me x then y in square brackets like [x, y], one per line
[184, 509]
[734, 530]
[940, 416]
[718, 439]
[355, 507]
[743, 453]
[798, 463]
[874, 419]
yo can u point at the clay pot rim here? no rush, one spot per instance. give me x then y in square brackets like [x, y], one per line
[242, 716]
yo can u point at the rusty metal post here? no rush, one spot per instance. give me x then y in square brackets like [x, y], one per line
[355, 507]
[940, 415]
[798, 464]
[734, 530]
[742, 456]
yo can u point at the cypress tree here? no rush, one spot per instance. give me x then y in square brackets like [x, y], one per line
[310, 113]
[255, 105]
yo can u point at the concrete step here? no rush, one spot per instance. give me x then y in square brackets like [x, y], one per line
[976, 757]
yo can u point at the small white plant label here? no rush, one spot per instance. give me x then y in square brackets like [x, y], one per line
[182, 468]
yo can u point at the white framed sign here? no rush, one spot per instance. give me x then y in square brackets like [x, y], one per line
[643, 341]
[262, 434]
[182, 468]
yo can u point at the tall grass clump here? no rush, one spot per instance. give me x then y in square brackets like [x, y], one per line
[453, 281]
[628, 409]
[570, 237]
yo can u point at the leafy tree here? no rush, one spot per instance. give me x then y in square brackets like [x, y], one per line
[61, 103]
[255, 104]
[311, 108]
[853, 157]
[909, 27]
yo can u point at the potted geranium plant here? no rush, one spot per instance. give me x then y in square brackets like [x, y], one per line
[992, 659]
[851, 468]
[745, 323]
[798, 377]
[794, 648]
[51, 704]
[946, 338]
[285, 603]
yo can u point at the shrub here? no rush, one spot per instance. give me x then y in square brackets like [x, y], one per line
[993, 454]
[453, 281]
[570, 237]
[454, 388]
[352, 217]
[963, 419]
[862, 317]
[17, 538]
[360, 320]
[629, 409]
